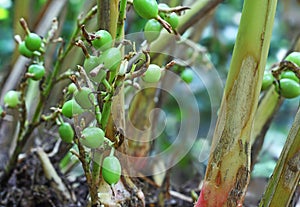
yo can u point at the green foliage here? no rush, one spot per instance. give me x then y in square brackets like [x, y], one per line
[7, 44]
[3, 14]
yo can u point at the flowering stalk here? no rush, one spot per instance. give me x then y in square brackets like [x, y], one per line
[286, 176]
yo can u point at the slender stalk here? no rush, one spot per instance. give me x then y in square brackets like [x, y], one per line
[62, 54]
[140, 105]
[227, 174]
[286, 176]
[26, 133]
[264, 111]
[268, 106]
[199, 9]
[106, 113]
[106, 12]
[97, 159]
[85, 162]
[121, 19]
[107, 19]
[98, 114]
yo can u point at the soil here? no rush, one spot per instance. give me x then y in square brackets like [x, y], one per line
[28, 187]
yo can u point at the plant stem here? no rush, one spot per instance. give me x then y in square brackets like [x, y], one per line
[112, 151]
[199, 9]
[62, 54]
[286, 175]
[268, 106]
[85, 161]
[26, 133]
[264, 112]
[122, 16]
[106, 113]
[103, 14]
[98, 114]
[227, 173]
[108, 15]
[138, 118]
[106, 11]
[97, 159]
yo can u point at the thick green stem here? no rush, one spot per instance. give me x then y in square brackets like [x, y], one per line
[108, 15]
[103, 14]
[285, 178]
[227, 174]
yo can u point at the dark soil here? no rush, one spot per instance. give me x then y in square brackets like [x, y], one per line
[28, 187]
